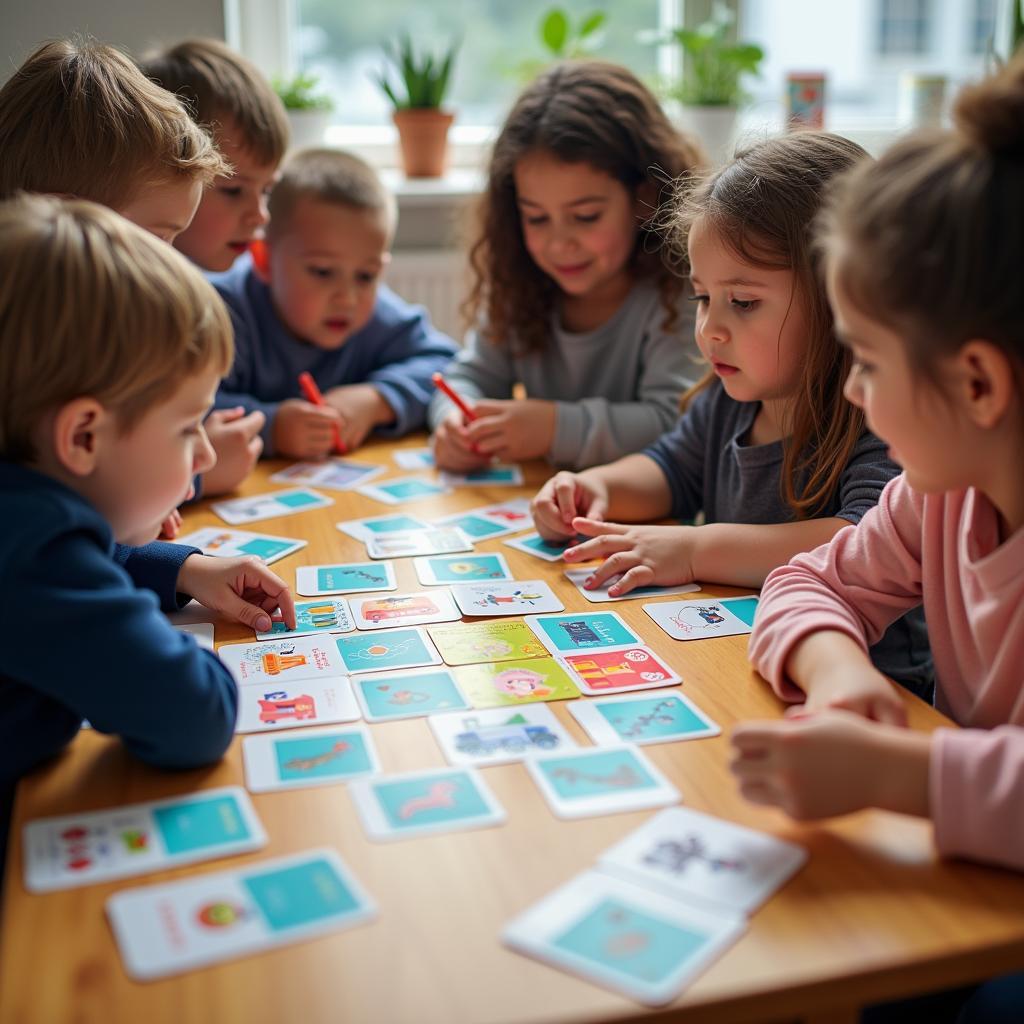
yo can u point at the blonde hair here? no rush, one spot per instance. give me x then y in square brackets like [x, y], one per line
[329, 176]
[80, 119]
[216, 85]
[92, 305]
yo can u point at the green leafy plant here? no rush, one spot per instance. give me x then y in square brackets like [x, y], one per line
[563, 40]
[425, 78]
[300, 93]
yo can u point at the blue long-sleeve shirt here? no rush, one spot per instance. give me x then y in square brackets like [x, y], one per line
[397, 352]
[85, 639]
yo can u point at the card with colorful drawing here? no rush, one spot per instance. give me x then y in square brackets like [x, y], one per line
[579, 577]
[487, 476]
[514, 597]
[334, 474]
[324, 615]
[315, 757]
[269, 506]
[118, 842]
[491, 520]
[380, 526]
[348, 578]
[586, 631]
[385, 612]
[534, 544]
[600, 780]
[395, 649]
[414, 458]
[662, 717]
[704, 618]
[220, 543]
[404, 488]
[425, 802]
[305, 657]
[510, 683]
[384, 697]
[292, 705]
[473, 642]
[445, 569]
[499, 735]
[178, 926]
[631, 668]
[442, 540]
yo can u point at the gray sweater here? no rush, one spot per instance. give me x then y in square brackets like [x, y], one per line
[616, 388]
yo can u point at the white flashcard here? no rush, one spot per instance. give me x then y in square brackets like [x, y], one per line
[534, 544]
[414, 458]
[579, 577]
[401, 489]
[220, 543]
[334, 474]
[323, 615]
[269, 506]
[696, 619]
[271, 661]
[293, 705]
[386, 696]
[384, 612]
[314, 757]
[510, 597]
[202, 631]
[442, 570]
[663, 716]
[491, 520]
[487, 476]
[380, 526]
[499, 735]
[444, 540]
[344, 578]
[582, 631]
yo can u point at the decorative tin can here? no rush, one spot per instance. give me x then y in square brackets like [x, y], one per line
[805, 100]
[922, 99]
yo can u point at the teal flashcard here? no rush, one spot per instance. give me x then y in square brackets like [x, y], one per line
[474, 526]
[347, 578]
[314, 757]
[402, 489]
[467, 568]
[380, 526]
[594, 631]
[389, 649]
[653, 718]
[186, 826]
[409, 695]
[535, 544]
[744, 608]
[324, 615]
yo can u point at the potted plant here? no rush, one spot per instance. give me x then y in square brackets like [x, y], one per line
[309, 111]
[421, 121]
[564, 40]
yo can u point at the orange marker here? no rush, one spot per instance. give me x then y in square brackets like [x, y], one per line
[312, 393]
[442, 385]
[260, 255]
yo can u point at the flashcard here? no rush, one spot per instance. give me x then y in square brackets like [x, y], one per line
[386, 697]
[420, 803]
[662, 717]
[289, 705]
[474, 642]
[269, 506]
[404, 610]
[697, 619]
[632, 668]
[486, 476]
[514, 597]
[622, 936]
[404, 488]
[324, 615]
[492, 520]
[509, 683]
[379, 526]
[118, 842]
[282, 660]
[316, 757]
[348, 578]
[414, 458]
[499, 735]
[397, 648]
[212, 540]
[202, 631]
[535, 544]
[693, 856]
[578, 577]
[177, 926]
[334, 474]
[586, 631]
[461, 569]
[600, 780]
[443, 540]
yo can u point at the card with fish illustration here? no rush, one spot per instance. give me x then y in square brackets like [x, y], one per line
[314, 757]
[510, 683]
[269, 661]
[401, 489]
[334, 474]
[579, 577]
[385, 612]
[380, 526]
[324, 615]
[220, 543]
[662, 717]
[414, 458]
[600, 780]
[394, 649]
[347, 578]
[293, 705]
[698, 858]
[534, 544]
[384, 697]
[499, 735]
[473, 642]
[623, 936]
[477, 567]
[630, 668]
[585, 631]
[425, 802]
[487, 476]
[443, 540]
[515, 597]
[269, 506]
[700, 618]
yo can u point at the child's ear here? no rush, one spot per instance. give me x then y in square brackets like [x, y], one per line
[77, 435]
[987, 382]
[260, 259]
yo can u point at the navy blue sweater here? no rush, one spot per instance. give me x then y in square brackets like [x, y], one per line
[84, 641]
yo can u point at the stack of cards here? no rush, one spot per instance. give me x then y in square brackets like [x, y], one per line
[491, 520]
[663, 717]
[317, 757]
[347, 578]
[515, 597]
[404, 610]
[477, 642]
[701, 619]
[499, 735]
[385, 697]
[404, 488]
[334, 474]
[219, 543]
[579, 577]
[269, 506]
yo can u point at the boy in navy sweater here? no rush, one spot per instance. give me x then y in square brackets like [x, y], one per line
[310, 302]
[111, 347]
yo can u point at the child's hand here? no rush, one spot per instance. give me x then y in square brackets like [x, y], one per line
[236, 439]
[171, 526]
[564, 497]
[243, 589]
[641, 555]
[859, 689]
[511, 430]
[303, 430]
[452, 448]
[361, 407]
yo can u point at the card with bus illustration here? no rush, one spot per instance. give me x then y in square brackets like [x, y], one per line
[334, 474]
[269, 506]
[587, 631]
[424, 802]
[510, 683]
[384, 612]
[294, 705]
[487, 476]
[499, 735]
[397, 648]
[401, 489]
[314, 757]
[324, 615]
[380, 526]
[443, 540]
[269, 661]
[630, 668]
[662, 717]
[702, 618]
[445, 569]
[221, 543]
[384, 697]
[473, 642]
[118, 842]
[579, 577]
[347, 578]
[514, 597]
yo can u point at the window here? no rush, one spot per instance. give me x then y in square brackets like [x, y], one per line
[904, 26]
[982, 25]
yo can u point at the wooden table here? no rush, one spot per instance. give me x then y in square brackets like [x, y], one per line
[873, 915]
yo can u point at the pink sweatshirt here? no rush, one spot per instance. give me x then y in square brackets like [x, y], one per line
[943, 550]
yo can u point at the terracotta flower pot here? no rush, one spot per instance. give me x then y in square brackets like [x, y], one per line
[423, 136]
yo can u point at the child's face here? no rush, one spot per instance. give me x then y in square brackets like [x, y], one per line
[164, 210]
[324, 271]
[579, 224]
[231, 211]
[751, 325]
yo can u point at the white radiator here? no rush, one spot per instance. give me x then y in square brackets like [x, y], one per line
[435, 278]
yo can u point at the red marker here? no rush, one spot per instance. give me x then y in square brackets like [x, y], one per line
[312, 393]
[442, 385]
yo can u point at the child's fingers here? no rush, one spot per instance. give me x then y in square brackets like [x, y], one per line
[638, 576]
[590, 527]
[251, 424]
[563, 497]
[597, 547]
[617, 565]
[258, 577]
[761, 791]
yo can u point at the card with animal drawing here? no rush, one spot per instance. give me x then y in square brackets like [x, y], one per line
[510, 683]
[346, 578]
[314, 757]
[385, 697]
[661, 717]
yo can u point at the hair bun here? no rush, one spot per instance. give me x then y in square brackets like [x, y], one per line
[990, 114]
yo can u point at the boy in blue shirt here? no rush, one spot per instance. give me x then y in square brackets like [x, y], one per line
[111, 348]
[310, 301]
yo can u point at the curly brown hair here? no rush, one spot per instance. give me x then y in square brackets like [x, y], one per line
[589, 112]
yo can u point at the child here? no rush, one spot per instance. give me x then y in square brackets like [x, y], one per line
[768, 449]
[312, 303]
[573, 294]
[111, 347]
